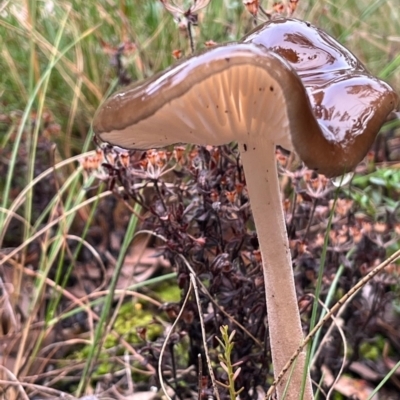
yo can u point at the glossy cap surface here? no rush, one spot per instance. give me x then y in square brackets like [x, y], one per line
[287, 82]
[349, 104]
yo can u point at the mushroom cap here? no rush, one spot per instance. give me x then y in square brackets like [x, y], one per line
[287, 82]
[349, 104]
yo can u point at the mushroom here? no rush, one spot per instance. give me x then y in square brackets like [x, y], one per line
[287, 83]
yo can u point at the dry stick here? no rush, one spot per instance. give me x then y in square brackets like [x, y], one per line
[333, 310]
[328, 333]
[167, 339]
[43, 389]
[7, 309]
[14, 381]
[190, 34]
[338, 324]
[203, 333]
[315, 201]
[200, 377]
[339, 374]
[193, 280]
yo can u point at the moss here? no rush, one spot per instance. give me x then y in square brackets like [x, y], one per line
[134, 316]
[337, 396]
[110, 342]
[372, 350]
[131, 316]
[169, 293]
[181, 351]
[103, 368]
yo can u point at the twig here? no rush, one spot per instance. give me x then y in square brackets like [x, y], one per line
[200, 377]
[167, 339]
[203, 333]
[190, 34]
[338, 324]
[332, 311]
[14, 382]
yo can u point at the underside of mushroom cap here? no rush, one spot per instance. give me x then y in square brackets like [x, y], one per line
[288, 82]
[222, 95]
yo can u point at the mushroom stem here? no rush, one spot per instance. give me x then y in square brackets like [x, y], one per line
[285, 332]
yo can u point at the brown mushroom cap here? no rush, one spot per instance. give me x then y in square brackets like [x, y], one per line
[288, 82]
[349, 104]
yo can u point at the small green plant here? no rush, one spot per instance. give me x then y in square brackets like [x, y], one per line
[226, 363]
[377, 192]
